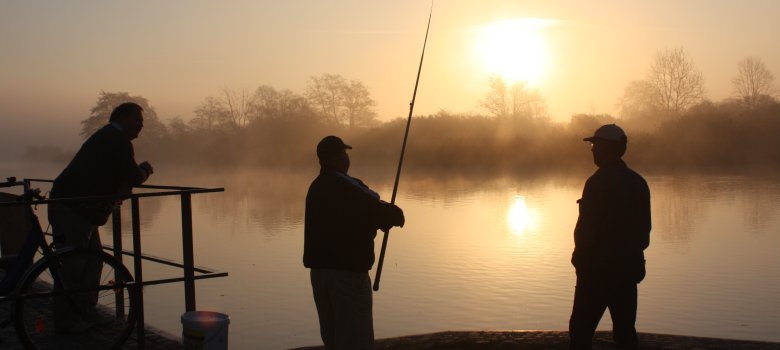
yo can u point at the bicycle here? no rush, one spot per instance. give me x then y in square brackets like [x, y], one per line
[38, 282]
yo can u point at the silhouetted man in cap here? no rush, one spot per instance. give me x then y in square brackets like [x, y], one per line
[612, 231]
[342, 217]
[104, 166]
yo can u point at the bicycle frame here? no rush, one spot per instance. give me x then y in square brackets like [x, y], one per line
[52, 265]
[35, 239]
[135, 281]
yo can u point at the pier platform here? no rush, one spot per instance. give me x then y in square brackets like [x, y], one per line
[155, 340]
[554, 340]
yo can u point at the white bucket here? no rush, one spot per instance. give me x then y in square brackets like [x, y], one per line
[205, 330]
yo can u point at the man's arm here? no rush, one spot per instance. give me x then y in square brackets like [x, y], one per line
[379, 213]
[132, 173]
[146, 170]
[645, 224]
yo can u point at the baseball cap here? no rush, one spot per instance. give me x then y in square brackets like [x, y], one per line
[331, 145]
[608, 132]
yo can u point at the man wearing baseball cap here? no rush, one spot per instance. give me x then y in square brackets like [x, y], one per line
[612, 231]
[341, 220]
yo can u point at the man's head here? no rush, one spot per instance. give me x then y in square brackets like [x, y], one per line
[332, 153]
[608, 144]
[130, 117]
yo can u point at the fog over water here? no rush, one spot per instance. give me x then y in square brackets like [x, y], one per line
[710, 138]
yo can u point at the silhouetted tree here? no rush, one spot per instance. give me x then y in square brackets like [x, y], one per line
[210, 115]
[177, 127]
[640, 106]
[270, 104]
[358, 104]
[516, 100]
[107, 101]
[754, 82]
[323, 92]
[238, 105]
[497, 99]
[639, 99]
[586, 124]
[341, 101]
[676, 81]
[228, 111]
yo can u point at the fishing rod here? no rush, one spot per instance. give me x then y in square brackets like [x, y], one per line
[403, 150]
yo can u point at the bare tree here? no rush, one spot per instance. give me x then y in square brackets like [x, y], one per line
[527, 102]
[516, 100]
[238, 105]
[177, 127]
[640, 99]
[106, 103]
[676, 81]
[341, 101]
[230, 111]
[358, 104]
[754, 82]
[209, 115]
[496, 101]
[269, 103]
[325, 94]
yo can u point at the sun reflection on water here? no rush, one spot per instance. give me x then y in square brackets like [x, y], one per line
[520, 217]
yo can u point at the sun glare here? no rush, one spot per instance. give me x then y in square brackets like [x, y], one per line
[515, 49]
[520, 217]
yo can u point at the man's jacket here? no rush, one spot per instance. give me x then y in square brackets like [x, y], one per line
[613, 227]
[104, 166]
[341, 220]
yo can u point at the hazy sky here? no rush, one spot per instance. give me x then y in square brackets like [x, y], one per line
[56, 56]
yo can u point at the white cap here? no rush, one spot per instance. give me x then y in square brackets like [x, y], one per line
[608, 132]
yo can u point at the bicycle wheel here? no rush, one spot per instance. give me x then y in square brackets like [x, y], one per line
[60, 309]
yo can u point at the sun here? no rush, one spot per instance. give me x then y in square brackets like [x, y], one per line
[516, 49]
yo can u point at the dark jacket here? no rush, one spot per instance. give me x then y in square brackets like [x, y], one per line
[341, 220]
[613, 227]
[104, 166]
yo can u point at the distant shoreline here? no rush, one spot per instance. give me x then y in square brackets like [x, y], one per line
[472, 340]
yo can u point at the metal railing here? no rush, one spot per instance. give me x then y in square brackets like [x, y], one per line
[188, 264]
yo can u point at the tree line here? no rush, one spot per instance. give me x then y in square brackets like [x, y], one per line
[672, 126]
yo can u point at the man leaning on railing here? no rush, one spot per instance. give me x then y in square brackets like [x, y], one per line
[104, 166]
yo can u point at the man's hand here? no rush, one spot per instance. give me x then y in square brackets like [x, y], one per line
[397, 216]
[147, 169]
[392, 215]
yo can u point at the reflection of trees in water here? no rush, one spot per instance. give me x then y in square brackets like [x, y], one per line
[760, 204]
[273, 201]
[453, 188]
[149, 209]
[754, 200]
[680, 202]
[677, 204]
[270, 201]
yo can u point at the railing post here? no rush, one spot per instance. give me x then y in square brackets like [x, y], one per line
[187, 253]
[116, 222]
[136, 217]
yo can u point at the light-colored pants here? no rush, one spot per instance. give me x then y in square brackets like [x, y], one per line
[344, 303]
[69, 229]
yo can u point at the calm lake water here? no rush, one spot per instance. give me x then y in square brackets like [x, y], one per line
[474, 255]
